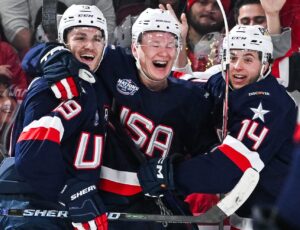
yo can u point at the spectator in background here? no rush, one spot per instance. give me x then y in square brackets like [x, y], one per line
[287, 68]
[8, 107]
[10, 67]
[177, 5]
[19, 17]
[290, 16]
[265, 13]
[206, 26]
[4, 85]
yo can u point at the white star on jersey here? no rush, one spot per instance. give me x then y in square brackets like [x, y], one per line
[259, 113]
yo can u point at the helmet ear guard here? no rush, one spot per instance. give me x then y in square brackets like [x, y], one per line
[268, 57]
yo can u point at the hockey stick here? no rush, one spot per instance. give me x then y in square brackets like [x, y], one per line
[227, 206]
[225, 67]
[49, 22]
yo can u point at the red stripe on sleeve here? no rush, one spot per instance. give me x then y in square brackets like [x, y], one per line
[236, 157]
[41, 133]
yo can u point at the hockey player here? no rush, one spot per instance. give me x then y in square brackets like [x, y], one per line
[58, 145]
[261, 119]
[161, 115]
[144, 96]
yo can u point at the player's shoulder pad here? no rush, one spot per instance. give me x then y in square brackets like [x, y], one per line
[190, 90]
[270, 90]
[31, 60]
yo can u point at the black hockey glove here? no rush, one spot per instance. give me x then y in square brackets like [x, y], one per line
[63, 71]
[84, 204]
[156, 176]
[59, 67]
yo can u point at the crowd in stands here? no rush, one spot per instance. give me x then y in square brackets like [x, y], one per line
[21, 28]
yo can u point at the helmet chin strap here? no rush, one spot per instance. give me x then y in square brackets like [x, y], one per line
[262, 75]
[102, 55]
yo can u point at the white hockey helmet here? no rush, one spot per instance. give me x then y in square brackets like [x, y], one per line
[82, 15]
[253, 37]
[156, 20]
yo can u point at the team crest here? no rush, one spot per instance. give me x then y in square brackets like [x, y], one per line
[127, 87]
[264, 31]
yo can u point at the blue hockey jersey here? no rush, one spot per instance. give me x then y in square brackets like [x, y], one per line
[261, 121]
[176, 119]
[54, 141]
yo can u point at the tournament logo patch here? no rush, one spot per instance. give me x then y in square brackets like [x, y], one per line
[127, 87]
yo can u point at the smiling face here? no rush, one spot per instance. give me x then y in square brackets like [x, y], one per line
[86, 44]
[7, 108]
[156, 53]
[245, 67]
[205, 16]
[3, 89]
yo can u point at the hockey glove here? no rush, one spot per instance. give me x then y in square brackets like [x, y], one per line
[84, 204]
[63, 71]
[156, 176]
